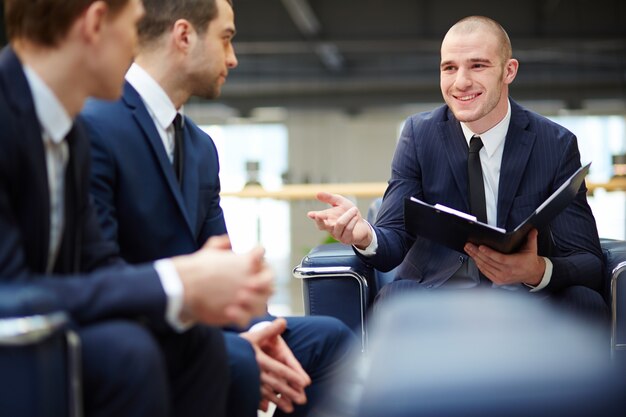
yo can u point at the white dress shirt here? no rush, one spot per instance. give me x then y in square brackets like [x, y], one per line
[55, 124]
[490, 161]
[158, 103]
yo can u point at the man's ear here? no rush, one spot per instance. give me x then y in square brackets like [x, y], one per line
[184, 34]
[510, 70]
[92, 21]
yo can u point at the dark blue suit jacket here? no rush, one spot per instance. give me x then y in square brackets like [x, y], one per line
[430, 163]
[91, 282]
[140, 203]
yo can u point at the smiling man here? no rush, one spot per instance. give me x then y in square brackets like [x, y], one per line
[518, 159]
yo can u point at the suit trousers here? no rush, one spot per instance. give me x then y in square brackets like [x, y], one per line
[130, 371]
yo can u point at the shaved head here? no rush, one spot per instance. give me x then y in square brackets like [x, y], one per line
[472, 24]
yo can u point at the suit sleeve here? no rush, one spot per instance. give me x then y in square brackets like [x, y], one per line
[213, 222]
[576, 254]
[393, 240]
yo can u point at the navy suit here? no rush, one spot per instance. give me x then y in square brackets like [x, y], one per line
[431, 163]
[143, 208]
[124, 368]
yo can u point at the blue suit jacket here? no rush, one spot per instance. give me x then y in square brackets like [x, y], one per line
[91, 282]
[430, 163]
[141, 205]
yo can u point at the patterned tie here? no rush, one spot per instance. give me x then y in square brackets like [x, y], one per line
[476, 186]
[179, 152]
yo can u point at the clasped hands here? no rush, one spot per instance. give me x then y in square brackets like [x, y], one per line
[344, 222]
[282, 378]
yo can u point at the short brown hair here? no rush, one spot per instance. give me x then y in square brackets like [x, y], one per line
[47, 21]
[161, 15]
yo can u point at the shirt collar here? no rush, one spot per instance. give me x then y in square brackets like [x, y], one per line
[53, 118]
[494, 137]
[155, 98]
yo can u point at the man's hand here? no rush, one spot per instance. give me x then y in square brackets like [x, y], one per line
[524, 266]
[221, 287]
[342, 220]
[281, 372]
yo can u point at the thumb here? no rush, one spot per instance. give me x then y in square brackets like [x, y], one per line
[272, 330]
[531, 241]
[218, 242]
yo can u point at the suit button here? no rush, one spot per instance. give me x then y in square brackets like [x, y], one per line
[461, 259]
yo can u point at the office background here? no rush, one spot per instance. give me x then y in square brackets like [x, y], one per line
[323, 86]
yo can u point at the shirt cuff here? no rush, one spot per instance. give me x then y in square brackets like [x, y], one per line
[174, 291]
[547, 275]
[371, 249]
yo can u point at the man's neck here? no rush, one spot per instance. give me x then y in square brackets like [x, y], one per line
[57, 69]
[165, 71]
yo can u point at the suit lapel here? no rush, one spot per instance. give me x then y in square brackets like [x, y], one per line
[517, 148]
[30, 139]
[146, 124]
[451, 136]
[191, 168]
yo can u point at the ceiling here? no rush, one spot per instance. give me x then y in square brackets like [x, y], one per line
[353, 54]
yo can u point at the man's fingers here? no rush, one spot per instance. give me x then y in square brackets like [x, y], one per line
[291, 361]
[281, 402]
[237, 315]
[264, 405]
[282, 371]
[271, 331]
[331, 199]
[286, 392]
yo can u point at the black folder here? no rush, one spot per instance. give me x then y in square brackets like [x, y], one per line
[453, 228]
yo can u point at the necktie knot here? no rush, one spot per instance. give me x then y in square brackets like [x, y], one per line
[178, 122]
[475, 144]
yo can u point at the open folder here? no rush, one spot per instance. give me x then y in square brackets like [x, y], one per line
[454, 228]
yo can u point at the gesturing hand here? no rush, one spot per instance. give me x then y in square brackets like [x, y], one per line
[342, 220]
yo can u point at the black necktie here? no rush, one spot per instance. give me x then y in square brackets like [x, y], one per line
[476, 186]
[179, 153]
[476, 190]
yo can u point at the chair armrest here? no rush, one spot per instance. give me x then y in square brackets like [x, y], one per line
[336, 283]
[37, 354]
[615, 260]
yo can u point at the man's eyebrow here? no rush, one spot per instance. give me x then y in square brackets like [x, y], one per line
[473, 60]
[446, 63]
[480, 60]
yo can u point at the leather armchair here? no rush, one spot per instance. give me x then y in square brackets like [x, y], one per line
[39, 356]
[335, 282]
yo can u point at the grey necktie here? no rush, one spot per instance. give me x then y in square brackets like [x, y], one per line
[57, 155]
